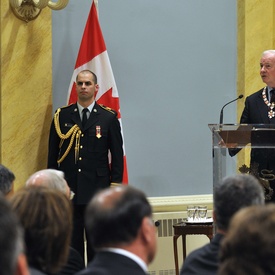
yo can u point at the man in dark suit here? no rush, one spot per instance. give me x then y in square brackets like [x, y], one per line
[260, 109]
[234, 193]
[120, 226]
[81, 137]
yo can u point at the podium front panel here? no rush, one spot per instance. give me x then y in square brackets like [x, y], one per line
[243, 148]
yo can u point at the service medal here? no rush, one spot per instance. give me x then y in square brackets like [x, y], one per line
[98, 131]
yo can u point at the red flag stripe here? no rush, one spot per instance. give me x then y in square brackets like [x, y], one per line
[92, 43]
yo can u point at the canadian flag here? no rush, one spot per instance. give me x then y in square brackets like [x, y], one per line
[93, 56]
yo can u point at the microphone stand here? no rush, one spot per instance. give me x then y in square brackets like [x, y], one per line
[221, 113]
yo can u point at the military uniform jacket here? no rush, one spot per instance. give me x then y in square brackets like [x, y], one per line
[82, 153]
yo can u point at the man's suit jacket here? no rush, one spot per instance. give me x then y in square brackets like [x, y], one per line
[86, 165]
[203, 260]
[109, 263]
[256, 112]
[34, 271]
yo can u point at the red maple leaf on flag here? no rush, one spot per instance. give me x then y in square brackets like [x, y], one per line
[113, 102]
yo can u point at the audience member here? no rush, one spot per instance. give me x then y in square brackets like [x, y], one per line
[248, 248]
[46, 216]
[55, 179]
[12, 257]
[50, 178]
[6, 181]
[120, 227]
[234, 193]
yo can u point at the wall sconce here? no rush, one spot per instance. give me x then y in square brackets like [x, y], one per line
[28, 10]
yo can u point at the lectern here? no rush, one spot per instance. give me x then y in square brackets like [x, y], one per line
[244, 148]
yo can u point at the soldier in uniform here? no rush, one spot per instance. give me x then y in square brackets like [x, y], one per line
[79, 145]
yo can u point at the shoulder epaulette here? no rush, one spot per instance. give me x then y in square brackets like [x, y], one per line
[63, 107]
[108, 109]
[66, 106]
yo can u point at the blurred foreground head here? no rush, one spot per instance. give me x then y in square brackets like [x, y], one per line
[12, 257]
[121, 217]
[234, 193]
[248, 248]
[7, 178]
[46, 216]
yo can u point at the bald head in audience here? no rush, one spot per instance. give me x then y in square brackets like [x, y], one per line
[120, 227]
[49, 178]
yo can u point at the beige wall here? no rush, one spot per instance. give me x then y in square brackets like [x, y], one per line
[256, 33]
[26, 78]
[26, 92]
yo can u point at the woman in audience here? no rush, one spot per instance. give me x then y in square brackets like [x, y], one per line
[248, 248]
[46, 216]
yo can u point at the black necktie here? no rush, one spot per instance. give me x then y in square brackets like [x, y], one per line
[272, 96]
[84, 116]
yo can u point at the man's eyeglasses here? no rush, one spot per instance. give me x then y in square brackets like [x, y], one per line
[87, 83]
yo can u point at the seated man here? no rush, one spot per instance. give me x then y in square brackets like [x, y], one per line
[234, 193]
[120, 227]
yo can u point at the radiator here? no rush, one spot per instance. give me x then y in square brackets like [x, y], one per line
[163, 263]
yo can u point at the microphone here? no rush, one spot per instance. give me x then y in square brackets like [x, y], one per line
[221, 114]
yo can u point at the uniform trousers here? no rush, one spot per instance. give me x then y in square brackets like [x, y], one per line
[79, 234]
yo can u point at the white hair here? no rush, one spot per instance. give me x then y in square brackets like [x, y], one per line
[50, 178]
[268, 52]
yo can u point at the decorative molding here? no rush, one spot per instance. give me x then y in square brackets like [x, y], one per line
[28, 10]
